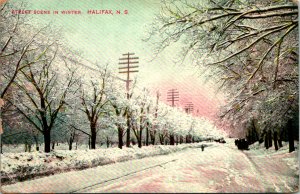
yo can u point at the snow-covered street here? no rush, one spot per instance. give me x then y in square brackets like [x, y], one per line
[219, 168]
[156, 96]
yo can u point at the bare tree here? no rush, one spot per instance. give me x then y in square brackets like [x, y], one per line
[18, 41]
[249, 47]
[120, 113]
[42, 95]
[15, 45]
[94, 103]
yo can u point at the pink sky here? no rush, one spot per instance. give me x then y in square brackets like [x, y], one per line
[203, 97]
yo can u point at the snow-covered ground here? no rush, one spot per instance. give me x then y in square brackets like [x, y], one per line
[219, 168]
[21, 166]
[18, 148]
[291, 159]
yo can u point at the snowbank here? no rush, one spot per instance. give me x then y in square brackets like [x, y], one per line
[23, 166]
[291, 159]
[19, 148]
[271, 150]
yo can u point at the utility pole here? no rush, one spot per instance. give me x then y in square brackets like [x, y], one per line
[128, 60]
[173, 96]
[189, 107]
[154, 127]
[128, 68]
[157, 99]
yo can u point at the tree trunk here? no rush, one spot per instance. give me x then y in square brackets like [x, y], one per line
[37, 147]
[139, 142]
[270, 138]
[70, 142]
[172, 140]
[187, 139]
[1, 146]
[120, 137]
[93, 135]
[291, 137]
[107, 142]
[47, 140]
[266, 142]
[255, 135]
[280, 142]
[26, 146]
[181, 139]
[70, 146]
[93, 140]
[29, 147]
[275, 140]
[280, 139]
[128, 132]
[161, 139]
[140, 135]
[152, 137]
[147, 135]
[53, 145]
[133, 142]
[254, 131]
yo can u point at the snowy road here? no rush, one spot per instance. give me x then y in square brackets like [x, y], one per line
[219, 168]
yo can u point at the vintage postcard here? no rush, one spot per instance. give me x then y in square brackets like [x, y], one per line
[132, 96]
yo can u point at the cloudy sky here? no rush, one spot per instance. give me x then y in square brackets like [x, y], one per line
[104, 38]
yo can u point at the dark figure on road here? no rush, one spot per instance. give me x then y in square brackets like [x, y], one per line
[202, 148]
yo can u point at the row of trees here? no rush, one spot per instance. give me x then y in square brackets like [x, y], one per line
[49, 92]
[251, 49]
[32, 87]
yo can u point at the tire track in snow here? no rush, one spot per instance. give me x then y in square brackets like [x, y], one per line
[232, 166]
[113, 179]
[255, 170]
